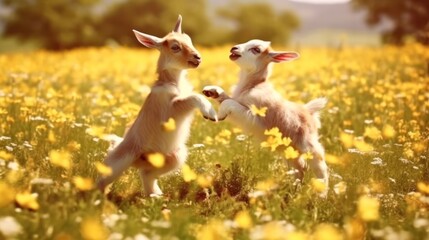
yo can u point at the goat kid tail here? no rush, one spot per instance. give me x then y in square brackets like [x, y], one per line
[314, 106]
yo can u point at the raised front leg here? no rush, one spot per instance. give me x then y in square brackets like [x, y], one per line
[184, 105]
[236, 109]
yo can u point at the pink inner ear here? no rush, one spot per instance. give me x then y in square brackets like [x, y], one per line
[285, 56]
[148, 43]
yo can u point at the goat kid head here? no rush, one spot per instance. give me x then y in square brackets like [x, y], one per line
[256, 54]
[177, 51]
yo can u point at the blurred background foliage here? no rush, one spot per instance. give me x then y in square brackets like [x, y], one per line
[65, 24]
[409, 17]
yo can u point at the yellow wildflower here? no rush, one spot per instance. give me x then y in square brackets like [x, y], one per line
[83, 184]
[5, 155]
[225, 133]
[363, 146]
[214, 230]
[93, 229]
[388, 131]
[275, 139]
[355, 228]
[297, 235]
[208, 140]
[332, 159]
[275, 132]
[409, 153]
[271, 142]
[266, 185]
[286, 141]
[166, 214]
[156, 159]
[205, 181]
[291, 153]
[243, 220]
[7, 194]
[423, 187]
[223, 137]
[347, 140]
[51, 136]
[368, 208]
[27, 200]
[170, 125]
[318, 185]
[258, 111]
[326, 231]
[73, 146]
[307, 156]
[188, 173]
[419, 147]
[61, 158]
[236, 130]
[103, 169]
[373, 133]
[96, 131]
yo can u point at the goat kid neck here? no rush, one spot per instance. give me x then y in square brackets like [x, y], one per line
[170, 76]
[249, 78]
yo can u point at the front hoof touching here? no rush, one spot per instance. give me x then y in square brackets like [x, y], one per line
[210, 114]
[211, 119]
[212, 91]
[210, 94]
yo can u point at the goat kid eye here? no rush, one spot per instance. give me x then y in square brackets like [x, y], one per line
[175, 48]
[255, 50]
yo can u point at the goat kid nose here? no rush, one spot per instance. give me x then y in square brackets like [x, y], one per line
[197, 56]
[234, 49]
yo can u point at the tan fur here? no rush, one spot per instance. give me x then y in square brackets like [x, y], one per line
[299, 122]
[171, 96]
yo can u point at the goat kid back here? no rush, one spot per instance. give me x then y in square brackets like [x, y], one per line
[171, 97]
[298, 122]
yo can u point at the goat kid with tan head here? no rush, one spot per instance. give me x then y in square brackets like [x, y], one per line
[298, 122]
[171, 96]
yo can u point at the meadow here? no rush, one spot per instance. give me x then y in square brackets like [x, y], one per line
[57, 108]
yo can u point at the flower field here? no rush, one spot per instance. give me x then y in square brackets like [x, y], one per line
[57, 110]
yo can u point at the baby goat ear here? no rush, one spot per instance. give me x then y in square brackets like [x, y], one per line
[178, 26]
[148, 40]
[283, 56]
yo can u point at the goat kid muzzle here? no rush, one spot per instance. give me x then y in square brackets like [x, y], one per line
[235, 54]
[196, 60]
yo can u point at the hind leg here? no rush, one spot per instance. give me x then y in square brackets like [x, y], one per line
[299, 164]
[149, 174]
[318, 165]
[119, 159]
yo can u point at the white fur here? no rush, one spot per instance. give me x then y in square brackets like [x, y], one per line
[299, 122]
[171, 97]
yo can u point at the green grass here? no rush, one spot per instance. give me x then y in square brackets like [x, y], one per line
[49, 100]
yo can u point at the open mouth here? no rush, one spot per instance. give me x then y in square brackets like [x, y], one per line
[194, 63]
[234, 56]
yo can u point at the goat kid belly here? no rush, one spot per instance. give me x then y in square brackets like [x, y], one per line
[280, 113]
[157, 139]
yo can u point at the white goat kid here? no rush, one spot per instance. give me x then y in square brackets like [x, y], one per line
[171, 97]
[296, 121]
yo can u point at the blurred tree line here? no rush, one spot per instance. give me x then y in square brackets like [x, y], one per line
[65, 24]
[409, 17]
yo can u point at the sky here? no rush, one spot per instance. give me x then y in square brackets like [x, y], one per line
[322, 1]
